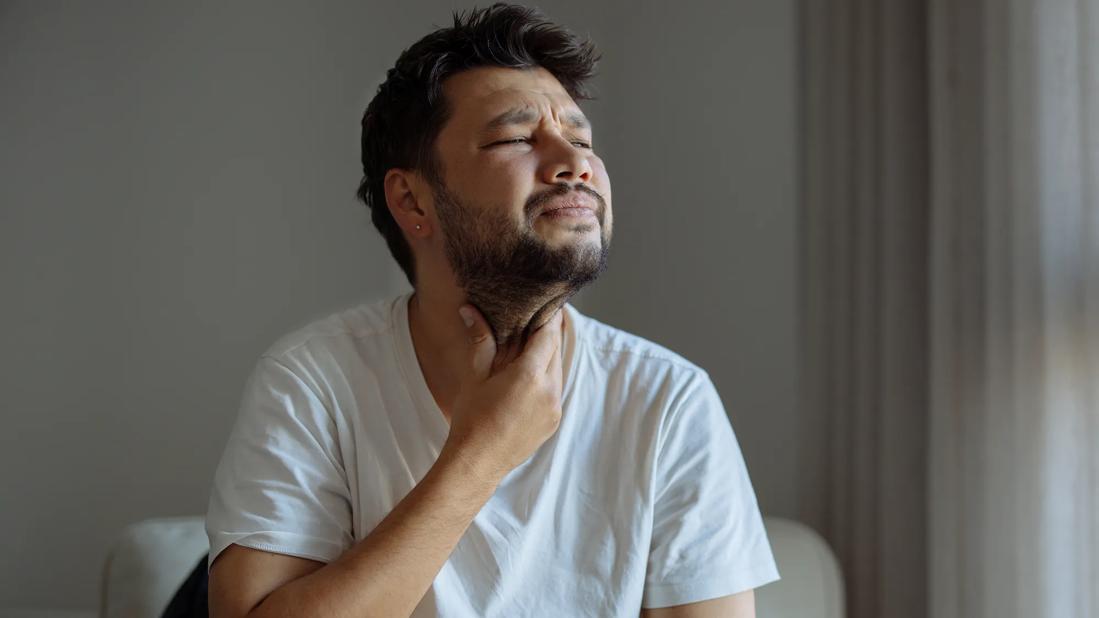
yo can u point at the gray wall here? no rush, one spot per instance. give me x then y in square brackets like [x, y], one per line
[703, 166]
[177, 193]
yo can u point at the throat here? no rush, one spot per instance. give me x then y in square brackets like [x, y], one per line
[513, 323]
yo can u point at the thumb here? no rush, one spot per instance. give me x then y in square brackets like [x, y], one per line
[482, 343]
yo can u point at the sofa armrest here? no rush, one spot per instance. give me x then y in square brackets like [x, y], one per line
[148, 562]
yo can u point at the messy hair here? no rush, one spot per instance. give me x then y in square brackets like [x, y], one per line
[403, 120]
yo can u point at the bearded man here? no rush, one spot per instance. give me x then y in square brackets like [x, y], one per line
[478, 447]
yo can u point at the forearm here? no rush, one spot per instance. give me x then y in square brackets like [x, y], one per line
[388, 572]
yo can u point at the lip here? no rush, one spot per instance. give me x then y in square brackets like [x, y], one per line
[575, 204]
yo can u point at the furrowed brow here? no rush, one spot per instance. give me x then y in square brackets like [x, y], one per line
[577, 120]
[528, 115]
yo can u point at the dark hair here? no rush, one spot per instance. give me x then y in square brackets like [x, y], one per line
[408, 111]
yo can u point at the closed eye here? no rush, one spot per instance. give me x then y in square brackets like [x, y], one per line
[527, 139]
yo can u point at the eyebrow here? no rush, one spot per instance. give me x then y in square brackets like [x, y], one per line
[527, 115]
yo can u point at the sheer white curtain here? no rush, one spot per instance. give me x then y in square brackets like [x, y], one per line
[1014, 284]
[950, 303]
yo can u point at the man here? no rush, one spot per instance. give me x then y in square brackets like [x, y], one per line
[478, 447]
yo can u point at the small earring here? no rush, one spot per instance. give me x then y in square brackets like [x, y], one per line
[417, 226]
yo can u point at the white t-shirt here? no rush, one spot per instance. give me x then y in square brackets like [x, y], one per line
[640, 499]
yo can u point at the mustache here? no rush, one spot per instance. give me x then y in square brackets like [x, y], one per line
[562, 189]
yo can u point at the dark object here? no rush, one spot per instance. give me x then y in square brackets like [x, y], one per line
[190, 600]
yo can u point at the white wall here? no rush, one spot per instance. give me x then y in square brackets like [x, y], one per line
[178, 192]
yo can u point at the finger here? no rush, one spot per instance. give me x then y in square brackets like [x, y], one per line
[556, 369]
[482, 343]
[541, 345]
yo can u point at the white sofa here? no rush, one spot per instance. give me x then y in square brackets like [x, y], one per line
[151, 558]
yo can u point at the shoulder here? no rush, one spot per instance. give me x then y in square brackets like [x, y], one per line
[359, 322]
[622, 355]
[329, 348]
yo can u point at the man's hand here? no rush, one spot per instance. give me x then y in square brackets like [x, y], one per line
[500, 417]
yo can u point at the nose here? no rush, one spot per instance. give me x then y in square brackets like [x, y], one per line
[565, 161]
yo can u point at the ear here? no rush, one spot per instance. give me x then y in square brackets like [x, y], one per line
[405, 198]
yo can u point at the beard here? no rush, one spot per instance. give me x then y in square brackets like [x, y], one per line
[509, 272]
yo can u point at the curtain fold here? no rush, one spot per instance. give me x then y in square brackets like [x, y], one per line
[1014, 248]
[863, 272]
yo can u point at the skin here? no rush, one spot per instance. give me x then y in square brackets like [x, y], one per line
[498, 379]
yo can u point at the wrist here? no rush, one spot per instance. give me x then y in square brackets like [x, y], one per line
[471, 464]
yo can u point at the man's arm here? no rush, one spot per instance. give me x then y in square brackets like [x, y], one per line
[497, 420]
[385, 574]
[740, 605]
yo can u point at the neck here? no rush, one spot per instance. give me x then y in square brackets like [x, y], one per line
[439, 336]
[514, 316]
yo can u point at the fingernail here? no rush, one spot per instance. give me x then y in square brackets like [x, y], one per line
[467, 316]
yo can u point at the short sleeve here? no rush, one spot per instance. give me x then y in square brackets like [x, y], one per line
[708, 538]
[280, 485]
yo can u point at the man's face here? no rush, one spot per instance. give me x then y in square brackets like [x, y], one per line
[503, 180]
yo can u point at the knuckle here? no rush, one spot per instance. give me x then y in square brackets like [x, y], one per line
[528, 374]
[553, 417]
[549, 398]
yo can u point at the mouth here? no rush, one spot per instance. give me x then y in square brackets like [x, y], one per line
[569, 213]
[567, 208]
